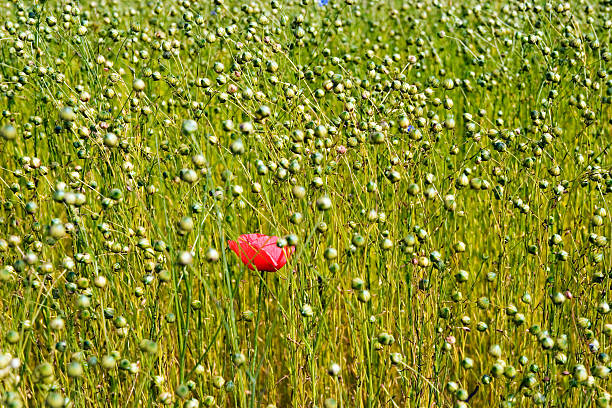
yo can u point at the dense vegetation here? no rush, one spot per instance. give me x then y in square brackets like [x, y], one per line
[442, 169]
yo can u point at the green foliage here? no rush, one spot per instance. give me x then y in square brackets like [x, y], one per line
[441, 168]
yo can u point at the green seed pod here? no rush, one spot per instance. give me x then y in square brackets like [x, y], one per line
[192, 403]
[386, 244]
[57, 230]
[364, 296]
[511, 310]
[138, 85]
[110, 140]
[558, 298]
[44, 370]
[386, 339]
[8, 132]
[67, 114]
[601, 371]
[357, 284]
[333, 370]
[535, 330]
[12, 337]
[74, 369]
[526, 298]
[237, 147]
[510, 372]
[330, 403]
[330, 253]
[182, 391]
[149, 346]
[185, 258]
[55, 400]
[529, 381]
[597, 220]
[462, 181]
[462, 276]
[476, 183]
[519, 319]
[83, 302]
[603, 399]
[61, 346]
[57, 324]
[396, 358]
[495, 351]
[452, 387]
[449, 202]
[246, 128]
[413, 189]
[324, 203]
[126, 365]
[120, 322]
[423, 261]
[497, 370]
[482, 327]
[483, 303]
[189, 127]
[298, 192]
[186, 224]
[5, 360]
[239, 359]
[580, 373]
[547, 343]
[358, 240]
[248, 315]
[444, 313]
[218, 382]
[306, 310]
[467, 363]
[462, 394]
[459, 247]
[603, 308]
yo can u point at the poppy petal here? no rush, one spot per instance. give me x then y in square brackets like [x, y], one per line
[259, 251]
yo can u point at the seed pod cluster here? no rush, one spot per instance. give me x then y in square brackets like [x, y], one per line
[437, 174]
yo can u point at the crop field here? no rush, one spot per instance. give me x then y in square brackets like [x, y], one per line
[305, 203]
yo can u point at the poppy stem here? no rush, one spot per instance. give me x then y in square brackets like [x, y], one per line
[230, 314]
[254, 372]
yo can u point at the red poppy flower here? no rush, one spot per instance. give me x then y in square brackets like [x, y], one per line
[259, 251]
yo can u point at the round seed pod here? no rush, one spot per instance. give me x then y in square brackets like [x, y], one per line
[138, 85]
[185, 258]
[74, 370]
[8, 132]
[324, 203]
[364, 296]
[239, 359]
[55, 400]
[218, 382]
[333, 370]
[306, 310]
[396, 358]
[67, 114]
[211, 255]
[189, 127]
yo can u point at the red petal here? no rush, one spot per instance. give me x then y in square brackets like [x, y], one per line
[260, 251]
